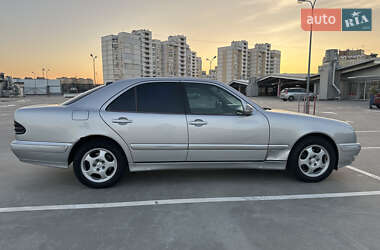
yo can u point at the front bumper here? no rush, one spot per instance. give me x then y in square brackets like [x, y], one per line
[347, 153]
[52, 154]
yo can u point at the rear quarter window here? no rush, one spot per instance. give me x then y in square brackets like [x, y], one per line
[84, 94]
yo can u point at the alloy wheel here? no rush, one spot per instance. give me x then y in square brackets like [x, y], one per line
[99, 165]
[314, 160]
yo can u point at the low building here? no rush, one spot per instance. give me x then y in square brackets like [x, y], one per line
[271, 85]
[347, 82]
[240, 85]
[344, 74]
[347, 57]
[39, 86]
[78, 85]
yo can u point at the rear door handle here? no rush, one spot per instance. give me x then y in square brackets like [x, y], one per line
[122, 121]
[198, 123]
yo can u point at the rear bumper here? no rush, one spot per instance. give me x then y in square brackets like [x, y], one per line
[52, 154]
[347, 153]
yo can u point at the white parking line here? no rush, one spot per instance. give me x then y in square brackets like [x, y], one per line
[364, 172]
[186, 201]
[329, 112]
[370, 147]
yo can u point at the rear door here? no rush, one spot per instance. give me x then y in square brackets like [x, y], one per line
[151, 119]
[217, 129]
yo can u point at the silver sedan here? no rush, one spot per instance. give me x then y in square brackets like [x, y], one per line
[177, 123]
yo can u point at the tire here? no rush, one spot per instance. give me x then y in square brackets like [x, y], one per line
[312, 159]
[291, 98]
[99, 164]
[378, 106]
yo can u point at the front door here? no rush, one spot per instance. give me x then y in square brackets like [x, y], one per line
[217, 129]
[151, 119]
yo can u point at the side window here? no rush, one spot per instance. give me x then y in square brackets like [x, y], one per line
[206, 99]
[126, 102]
[160, 98]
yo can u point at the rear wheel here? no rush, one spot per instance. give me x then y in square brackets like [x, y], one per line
[291, 98]
[99, 164]
[313, 159]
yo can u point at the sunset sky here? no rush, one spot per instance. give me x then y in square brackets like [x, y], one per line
[60, 35]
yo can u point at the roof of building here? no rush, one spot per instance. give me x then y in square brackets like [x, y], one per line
[295, 77]
[241, 82]
[366, 64]
[364, 78]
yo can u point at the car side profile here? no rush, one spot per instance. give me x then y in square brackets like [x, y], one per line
[177, 123]
[291, 94]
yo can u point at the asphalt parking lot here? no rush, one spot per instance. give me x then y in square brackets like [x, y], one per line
[178, 210]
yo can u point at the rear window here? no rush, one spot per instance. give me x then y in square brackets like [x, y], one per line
[80, 96]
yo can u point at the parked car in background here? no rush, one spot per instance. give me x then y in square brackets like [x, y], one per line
[72, 93]
[377, 100]
[177, 123]
[291, 94]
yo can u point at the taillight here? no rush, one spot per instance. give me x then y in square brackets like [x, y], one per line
[286, 91]
[19, 129]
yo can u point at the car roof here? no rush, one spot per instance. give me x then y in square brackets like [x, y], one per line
[98, 98]
[160, 79]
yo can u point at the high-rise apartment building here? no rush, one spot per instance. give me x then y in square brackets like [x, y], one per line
[145, 37]
[179, 46]
[239, 62]
[263, 61]
[156, 58]
[136, 54]
[275, 62]
[194, 64]
[232, 61]
[198, 67]
[121, 56]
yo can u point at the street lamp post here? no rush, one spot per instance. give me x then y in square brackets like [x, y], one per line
[312, 4]
[93, 65]
[47, 81]
[210, 60]
[35, 83]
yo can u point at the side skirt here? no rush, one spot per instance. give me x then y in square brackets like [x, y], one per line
[266, 165]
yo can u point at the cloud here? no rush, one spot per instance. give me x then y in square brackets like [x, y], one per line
[280, 28]
[265, 7]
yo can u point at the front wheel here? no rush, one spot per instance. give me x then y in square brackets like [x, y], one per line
[99, 164]
[313, 159]
[378, 106]
[291, 98]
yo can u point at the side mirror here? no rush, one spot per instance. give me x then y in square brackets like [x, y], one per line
[248, 110]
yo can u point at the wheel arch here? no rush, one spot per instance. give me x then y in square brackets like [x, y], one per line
[88, 138]
[316, 134]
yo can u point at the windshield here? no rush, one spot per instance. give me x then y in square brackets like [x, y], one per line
[80, 96]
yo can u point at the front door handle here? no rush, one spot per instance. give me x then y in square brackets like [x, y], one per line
[198, 123]
[122, 121]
